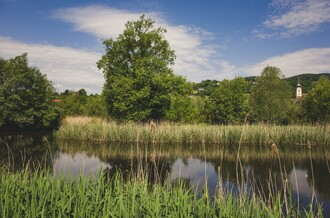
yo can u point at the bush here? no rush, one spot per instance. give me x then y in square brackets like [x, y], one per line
[26, 97]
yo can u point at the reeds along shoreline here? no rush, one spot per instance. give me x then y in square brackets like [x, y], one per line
[39, 194]
[85, 128]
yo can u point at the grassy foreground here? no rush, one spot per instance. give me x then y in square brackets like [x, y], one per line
[86, 128]
[39, 194]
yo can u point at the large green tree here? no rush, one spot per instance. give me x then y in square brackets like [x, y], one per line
[317, 103]
[270, 97]
[26, 97]
[228, 103]
[139, 81]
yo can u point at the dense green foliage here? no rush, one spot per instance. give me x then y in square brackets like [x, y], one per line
[182, 109]
[140, 84]
[39, 194]
[26, 97]
[80, 104]
[270, 97]
[228, 102]
[205, 87]
[317, 102]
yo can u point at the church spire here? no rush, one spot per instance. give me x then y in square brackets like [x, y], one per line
[298, 90]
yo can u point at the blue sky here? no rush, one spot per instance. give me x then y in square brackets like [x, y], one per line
[218, 39]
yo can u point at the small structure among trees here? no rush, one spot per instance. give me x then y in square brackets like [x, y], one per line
[298, 91]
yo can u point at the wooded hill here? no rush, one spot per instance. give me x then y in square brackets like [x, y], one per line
[306, 81]
[205, 87]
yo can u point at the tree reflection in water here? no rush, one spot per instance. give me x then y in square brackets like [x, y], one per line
[195, 165]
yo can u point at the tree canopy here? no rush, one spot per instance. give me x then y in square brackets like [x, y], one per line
[317, 102]
[270, 97]
[228, 102]
[26, 97]
[74, 103]
[139, 81]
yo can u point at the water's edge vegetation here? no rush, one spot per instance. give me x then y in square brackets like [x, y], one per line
[40, 194]
[86, 128]
[36, 192]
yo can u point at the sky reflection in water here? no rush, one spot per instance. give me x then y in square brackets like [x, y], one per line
[195, 167]
[194, 171]
[77, 164]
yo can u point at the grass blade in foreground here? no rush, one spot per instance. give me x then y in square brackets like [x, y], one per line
[39, 194]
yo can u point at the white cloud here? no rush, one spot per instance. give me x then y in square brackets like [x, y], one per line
[66, 67]
[100, 21]
[196, 56]
[296, 17]
[314, 60]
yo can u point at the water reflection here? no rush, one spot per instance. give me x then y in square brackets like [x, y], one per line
[303, 191]
[18, 150]
[197, 165]
[196, 172]
[77, 164]
[299, 183]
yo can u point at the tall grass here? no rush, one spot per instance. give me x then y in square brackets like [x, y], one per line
[39, 194]
[83, 128]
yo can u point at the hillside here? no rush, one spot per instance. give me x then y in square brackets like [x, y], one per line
[206, 87]
[306, 81]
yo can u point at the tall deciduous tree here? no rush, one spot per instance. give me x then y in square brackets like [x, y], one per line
[317, 102]
[228, 102]
[139, 81]
[26, 97]
[270, 97]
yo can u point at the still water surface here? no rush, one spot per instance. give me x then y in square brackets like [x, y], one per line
[306, 171]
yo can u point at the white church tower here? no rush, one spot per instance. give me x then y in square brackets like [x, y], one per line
[298, 90]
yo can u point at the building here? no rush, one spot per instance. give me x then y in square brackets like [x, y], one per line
[298, 91]
[299, 94]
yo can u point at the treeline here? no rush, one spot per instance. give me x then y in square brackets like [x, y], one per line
[140, 86]
[74, 103]
[307, 81]
[268, 99]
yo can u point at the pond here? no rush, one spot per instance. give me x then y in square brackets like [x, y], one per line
[306, 171]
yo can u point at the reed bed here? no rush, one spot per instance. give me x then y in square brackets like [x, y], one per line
[94, 129]
[40, 194]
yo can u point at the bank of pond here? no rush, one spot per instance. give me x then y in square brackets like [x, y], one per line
[95, 129]
[44, 175]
